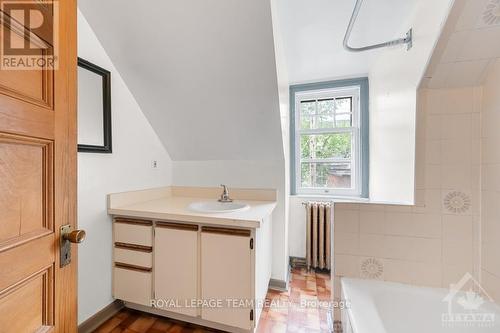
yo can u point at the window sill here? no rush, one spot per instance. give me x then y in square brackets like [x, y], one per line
[334, 198]
[346, 199]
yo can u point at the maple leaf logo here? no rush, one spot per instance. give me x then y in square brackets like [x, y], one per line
[471, 300]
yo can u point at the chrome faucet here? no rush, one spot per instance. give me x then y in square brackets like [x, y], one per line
[224, 197]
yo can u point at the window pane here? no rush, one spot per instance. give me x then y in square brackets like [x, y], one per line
[326, 107]
[307, 108]
[343, 105]
[334, 145]
[326, 175]
[343, 120]
[316, 122]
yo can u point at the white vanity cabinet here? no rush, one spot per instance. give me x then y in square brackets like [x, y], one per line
[161, 263]
[176, 265]
[226, 275]
[133, 252]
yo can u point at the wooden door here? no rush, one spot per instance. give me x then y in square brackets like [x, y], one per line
[38, 180]
[226, 276]
[176, 266]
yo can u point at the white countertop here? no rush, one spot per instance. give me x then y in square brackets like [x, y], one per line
[175, 208]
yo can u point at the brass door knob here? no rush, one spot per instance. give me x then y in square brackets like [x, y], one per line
[75, 236]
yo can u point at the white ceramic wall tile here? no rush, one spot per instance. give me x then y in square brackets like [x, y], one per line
[427, 274]
[432, 176]
[458, 252]
[456, 151]
[456, 176]
[492, 285]
[467, 73]
[347, 243]
[346, 265]
[433, 152]
[453, 273]
[399, 224]
[490, 154]
[372, 222]
[456, 126]
[346, 221]
[458, 100]
[479, 45]
[490, 251]
[428, 250]
[369, 245]
[458, 227]
[427, 225]
[425, 244]
[433, 127]
[400, 247]
[399, 271]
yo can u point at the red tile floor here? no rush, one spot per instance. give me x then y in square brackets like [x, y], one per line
[303, 308]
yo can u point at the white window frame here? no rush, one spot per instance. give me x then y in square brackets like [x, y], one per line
[355, 129]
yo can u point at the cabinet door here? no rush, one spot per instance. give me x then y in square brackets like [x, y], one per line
[226, 276]
[176, 267]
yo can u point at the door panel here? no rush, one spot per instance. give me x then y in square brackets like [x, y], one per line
[38, 186]
[176, 266]
[226, 275]
[35, 85]
[35, 308]
[26, 183]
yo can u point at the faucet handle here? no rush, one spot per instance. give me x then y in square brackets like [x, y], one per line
[225, 194]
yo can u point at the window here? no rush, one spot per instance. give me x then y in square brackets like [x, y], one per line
[329, 135]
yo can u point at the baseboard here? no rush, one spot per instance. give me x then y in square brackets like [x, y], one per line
[279, 285]
[297, 262]
[91, 324]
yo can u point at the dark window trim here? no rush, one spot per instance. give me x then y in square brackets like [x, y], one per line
[363, 123]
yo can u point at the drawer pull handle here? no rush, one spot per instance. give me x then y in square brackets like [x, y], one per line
[179, 226]
[132, 267]
[134, 247]
[133, 221]
[226, 231]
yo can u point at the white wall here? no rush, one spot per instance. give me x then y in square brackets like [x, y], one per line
[394, 79]
[246, 174]
[490, 188]
[135, 146]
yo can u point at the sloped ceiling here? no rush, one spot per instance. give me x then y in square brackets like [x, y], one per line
[468, 46]
[202, 71]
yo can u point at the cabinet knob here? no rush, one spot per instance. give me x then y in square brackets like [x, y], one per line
[75, 236]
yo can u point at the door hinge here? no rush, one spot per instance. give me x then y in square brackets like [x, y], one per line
[251, 243]
[251, 315]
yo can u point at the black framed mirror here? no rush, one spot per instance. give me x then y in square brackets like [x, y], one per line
[94, 108]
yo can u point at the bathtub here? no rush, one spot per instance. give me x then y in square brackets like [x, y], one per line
[385, 307]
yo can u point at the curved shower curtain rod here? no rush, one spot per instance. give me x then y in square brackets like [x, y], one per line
[407, 40]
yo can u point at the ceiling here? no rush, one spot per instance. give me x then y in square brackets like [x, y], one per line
[468, 46]
[203, 72]
[313, 32]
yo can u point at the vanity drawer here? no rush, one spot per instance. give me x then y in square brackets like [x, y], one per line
[136, 232]
[132, 285]
[133, 255]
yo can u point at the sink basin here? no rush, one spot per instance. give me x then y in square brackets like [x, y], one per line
[217, 207]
